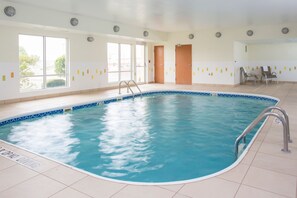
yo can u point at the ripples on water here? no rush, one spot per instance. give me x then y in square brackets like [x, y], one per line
[156, 138]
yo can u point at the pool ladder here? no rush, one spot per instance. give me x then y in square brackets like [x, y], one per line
[129, 87]
[282, 116]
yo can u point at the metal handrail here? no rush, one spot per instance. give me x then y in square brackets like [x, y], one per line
[285, 115]
[128, 87]
[135, 85]
[264, 114]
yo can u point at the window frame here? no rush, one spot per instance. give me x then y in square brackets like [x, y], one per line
[119, 58]
[144, 61]
[44, 74]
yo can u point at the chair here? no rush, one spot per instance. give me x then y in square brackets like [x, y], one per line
[267, 74]
[246, 75]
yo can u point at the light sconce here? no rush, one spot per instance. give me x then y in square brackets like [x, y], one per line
[116, 28]
[9, 11]
[285, 30]
[218, 34]
[250, 33]
[191, 36]
[74, 21]
[90, 39]
[145, 33]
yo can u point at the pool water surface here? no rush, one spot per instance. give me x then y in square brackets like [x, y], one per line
[160, 137]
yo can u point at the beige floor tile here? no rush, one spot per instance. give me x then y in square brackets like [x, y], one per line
[45, 164]
[180, 196]
[236, 174]
[271, 181]
[210, 188]
[37, 187]
[278, 164]
[14, 175]
[97, 187]
[248, 158]
[69, 193]
[64, 174]
[273, 138]
[261, 136]
[250, 192]
[5, 163]
[133, 191]
[174, 188]
[255, 146]
[18, 150]
[275, 149]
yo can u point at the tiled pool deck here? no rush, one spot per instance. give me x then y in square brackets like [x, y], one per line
[264, 172]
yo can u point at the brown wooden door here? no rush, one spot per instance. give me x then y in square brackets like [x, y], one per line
[183, 60]
[159, 64]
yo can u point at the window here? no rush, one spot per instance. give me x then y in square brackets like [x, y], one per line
[42, 62]
[119, 62]
[140, 64]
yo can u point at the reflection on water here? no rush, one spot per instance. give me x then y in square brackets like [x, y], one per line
[50, 136]
[125, 142]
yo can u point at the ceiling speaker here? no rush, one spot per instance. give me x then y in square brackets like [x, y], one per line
[74, 21]
[285, 30]
[116, 28]
[90, 39]
[145, 33]
[191, 36]
[218, 34]
[9, 11]
[250, 32]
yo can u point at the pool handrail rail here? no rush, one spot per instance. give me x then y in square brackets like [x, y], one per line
[135, 86]
[265, 113]
[128, 87]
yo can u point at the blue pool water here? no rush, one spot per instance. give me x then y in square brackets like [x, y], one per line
[156, 138]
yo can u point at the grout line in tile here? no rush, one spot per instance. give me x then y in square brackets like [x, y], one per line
[126, 185]
[13, 186]
[71, 189]
[296, 188]
[265, 190]
[169, 189]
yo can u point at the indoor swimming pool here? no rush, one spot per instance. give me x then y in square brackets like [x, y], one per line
[164, 136]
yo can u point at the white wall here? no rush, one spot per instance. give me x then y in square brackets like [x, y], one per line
[217, 60]
[88, 61]
[240, 59]
[214, 60]
[46, 18]
[282, 57]
[150, 62]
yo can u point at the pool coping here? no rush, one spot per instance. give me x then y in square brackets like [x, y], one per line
[77, 106]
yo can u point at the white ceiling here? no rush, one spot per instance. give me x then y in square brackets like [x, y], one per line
[178, 15]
